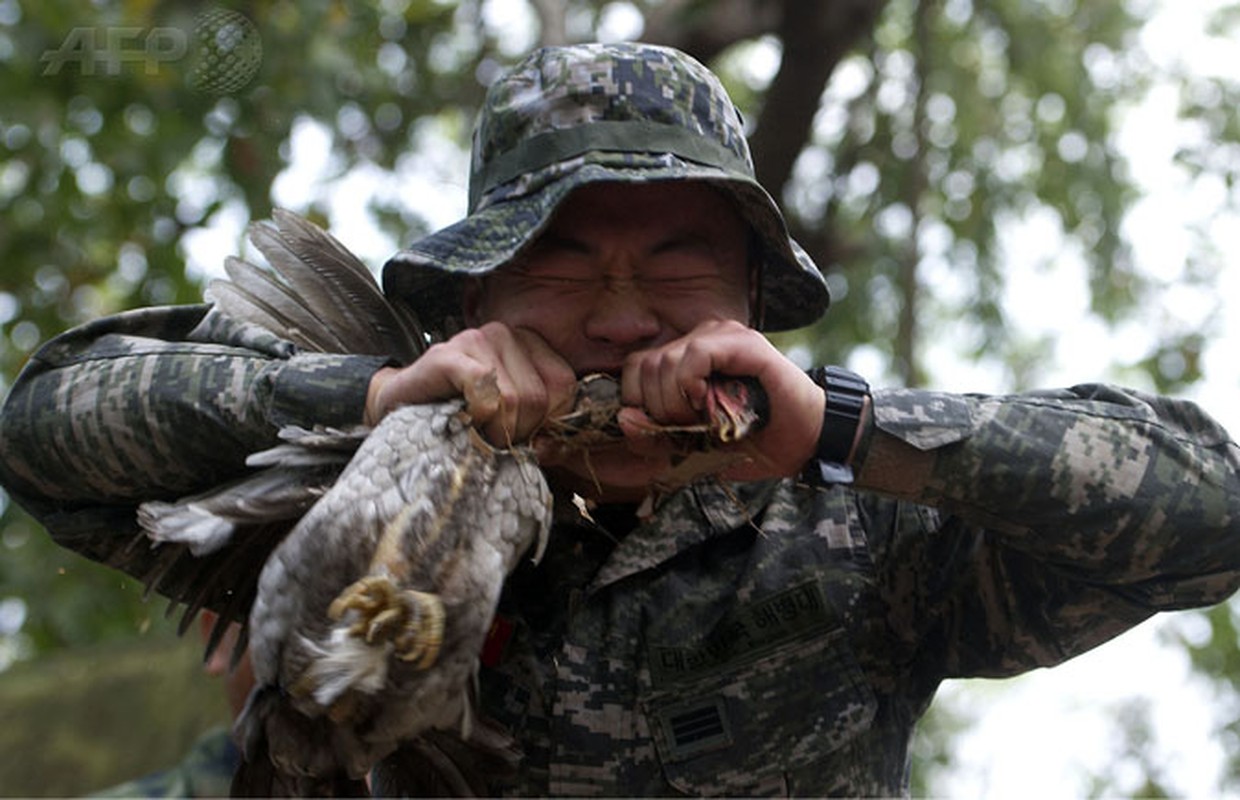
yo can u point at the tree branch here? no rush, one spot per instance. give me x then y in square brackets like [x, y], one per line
[705, 28]
[815, 36]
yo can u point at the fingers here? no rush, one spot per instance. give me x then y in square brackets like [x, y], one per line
[513, 382]
[510, 378]
[670, 384]
[531, 383]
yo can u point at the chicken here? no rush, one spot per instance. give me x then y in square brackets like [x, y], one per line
[371, 613]
[384, 550]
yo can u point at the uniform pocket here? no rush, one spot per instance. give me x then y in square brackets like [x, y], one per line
[740, 730]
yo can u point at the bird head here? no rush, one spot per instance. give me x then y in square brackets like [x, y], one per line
[735, 408]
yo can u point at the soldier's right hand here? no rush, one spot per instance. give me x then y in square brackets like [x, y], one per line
[510, 378]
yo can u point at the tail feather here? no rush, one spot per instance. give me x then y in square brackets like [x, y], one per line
[206, 522]
[352, 284]
[216, 637]
[211, 546]
[316, 294]
[311, 286]
[320, 773]
[259, 777]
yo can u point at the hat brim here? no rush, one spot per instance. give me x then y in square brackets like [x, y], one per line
[430, 275]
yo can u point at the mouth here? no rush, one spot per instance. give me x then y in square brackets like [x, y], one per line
[736, 407]
[592, 421]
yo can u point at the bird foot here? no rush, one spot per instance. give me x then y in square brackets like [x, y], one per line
[410, 620]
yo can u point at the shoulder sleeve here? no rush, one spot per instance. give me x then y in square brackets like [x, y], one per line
[161, 402]
[1055, 520]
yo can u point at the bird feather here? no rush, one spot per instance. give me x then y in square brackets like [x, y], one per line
[258, 295]
[339, 290]
[206, 522]
[211, 548]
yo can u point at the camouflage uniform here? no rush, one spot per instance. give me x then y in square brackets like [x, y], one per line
[759, 638]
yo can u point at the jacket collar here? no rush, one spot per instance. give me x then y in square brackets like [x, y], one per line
[682, 520]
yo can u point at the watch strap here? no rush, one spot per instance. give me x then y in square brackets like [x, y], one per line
[846, 394]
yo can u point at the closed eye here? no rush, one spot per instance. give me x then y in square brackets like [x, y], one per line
[682, 260]
[555, 259]
[682, 243]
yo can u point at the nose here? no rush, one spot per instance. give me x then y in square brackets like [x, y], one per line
[621, 314]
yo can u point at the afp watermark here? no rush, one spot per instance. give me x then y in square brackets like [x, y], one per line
[221, 54]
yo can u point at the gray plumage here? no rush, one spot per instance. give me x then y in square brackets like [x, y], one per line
[319, 296]
[375, 598]
[378, 636]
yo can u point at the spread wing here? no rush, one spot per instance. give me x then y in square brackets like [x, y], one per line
[211, 547]
[317, 294]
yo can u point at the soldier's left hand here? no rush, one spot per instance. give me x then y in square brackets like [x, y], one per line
[668, 385]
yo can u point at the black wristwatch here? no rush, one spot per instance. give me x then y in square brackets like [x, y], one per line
[846, 393]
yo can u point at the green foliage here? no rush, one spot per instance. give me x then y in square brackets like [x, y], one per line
[1211, 638]
[961, 118]
[1132, 757]
[931, 750]
[64, 600]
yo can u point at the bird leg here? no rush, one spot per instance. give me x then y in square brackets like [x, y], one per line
[410, 620]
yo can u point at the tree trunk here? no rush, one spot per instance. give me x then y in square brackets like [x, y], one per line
[816, 36]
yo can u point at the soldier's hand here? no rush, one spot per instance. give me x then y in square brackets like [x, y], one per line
[510, 378]
[668, 385]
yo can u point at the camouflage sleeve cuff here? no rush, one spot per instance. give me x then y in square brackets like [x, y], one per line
[296, 388]
[925, 420]
[319, 389]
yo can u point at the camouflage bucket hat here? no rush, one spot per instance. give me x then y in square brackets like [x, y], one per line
[569, 116]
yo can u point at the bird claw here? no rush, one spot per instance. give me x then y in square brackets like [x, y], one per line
[410, 620]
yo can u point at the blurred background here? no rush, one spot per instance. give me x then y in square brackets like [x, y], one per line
[1005, 194]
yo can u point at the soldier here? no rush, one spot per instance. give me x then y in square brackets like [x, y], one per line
[779, 631]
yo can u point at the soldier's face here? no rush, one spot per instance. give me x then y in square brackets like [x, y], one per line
[624, 267]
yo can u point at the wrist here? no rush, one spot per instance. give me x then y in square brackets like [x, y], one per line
[375, 410]
[845, 425]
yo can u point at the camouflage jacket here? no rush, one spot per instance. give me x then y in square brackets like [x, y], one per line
[745, 639]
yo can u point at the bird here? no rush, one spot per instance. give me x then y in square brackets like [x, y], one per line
[363, 649]
[368, 561]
